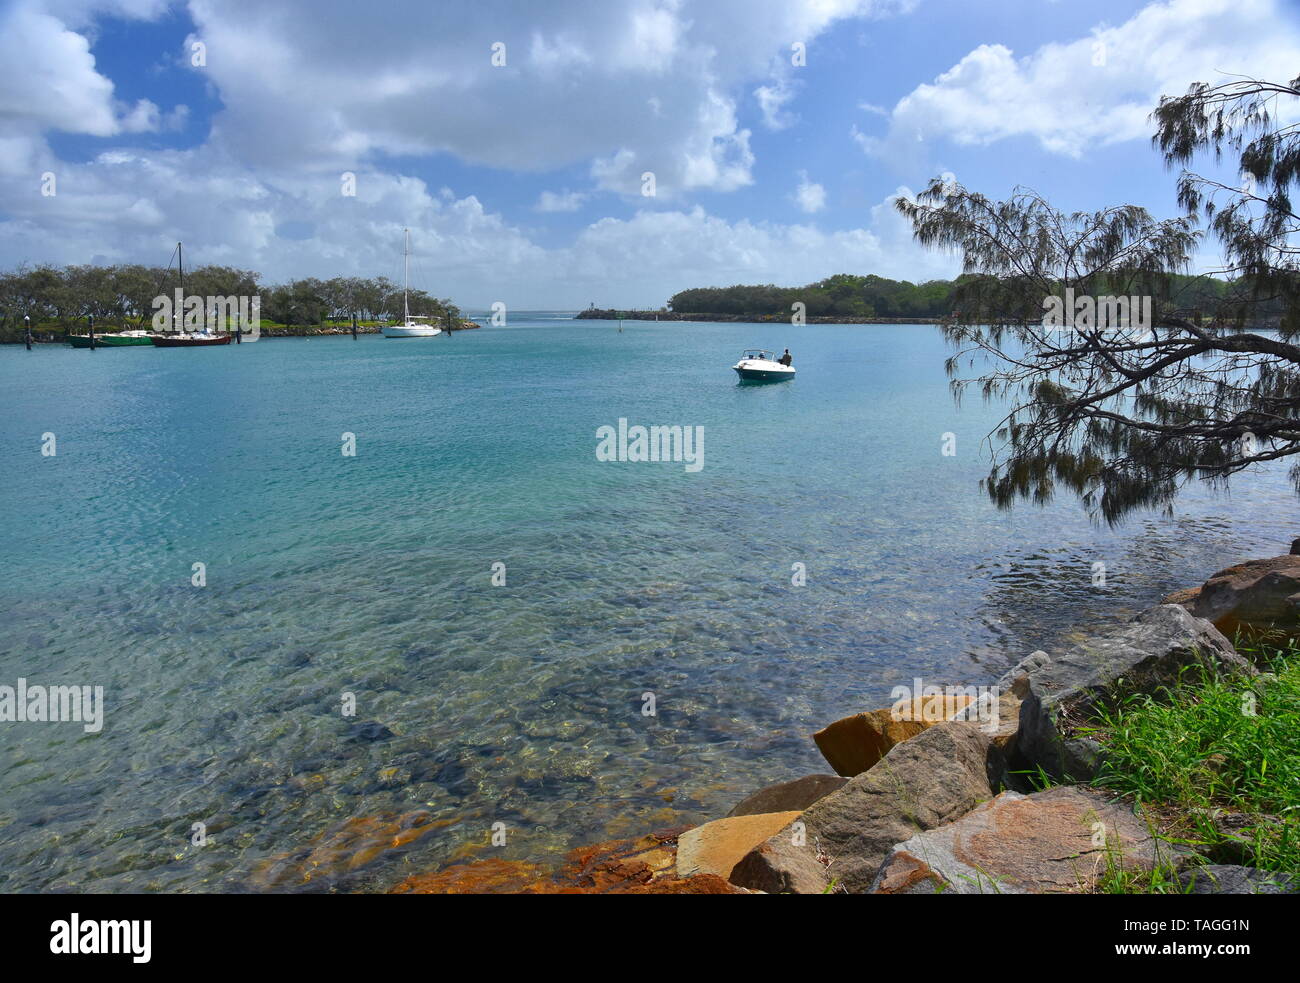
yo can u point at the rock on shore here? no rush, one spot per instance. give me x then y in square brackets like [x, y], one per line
[937, 776]
[1150, 653]
[1058, 841]
[1255, 598]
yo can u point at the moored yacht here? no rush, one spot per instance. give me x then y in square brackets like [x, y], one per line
[412, 326]
[180, 338]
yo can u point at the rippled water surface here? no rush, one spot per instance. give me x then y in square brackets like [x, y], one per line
[519, 704]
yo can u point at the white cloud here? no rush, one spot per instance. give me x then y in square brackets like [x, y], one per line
[636, 86]
[462, 248]
[810, 197]
[564, 201]
[645, 85]
[656, 253]
[48, 81]
[48, 78]
[772, 100]
[1098, 90]
[144, 117]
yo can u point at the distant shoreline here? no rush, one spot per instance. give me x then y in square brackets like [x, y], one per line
[315, 330]
[47, 336]
[598, 314]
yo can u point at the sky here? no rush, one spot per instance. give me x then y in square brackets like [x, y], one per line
[514, 139]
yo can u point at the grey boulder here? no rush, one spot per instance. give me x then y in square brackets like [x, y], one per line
[1148, 654]
[927, 781]
[1062, 840]
[1230, 879]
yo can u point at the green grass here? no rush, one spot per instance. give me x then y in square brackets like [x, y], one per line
[1223, 746]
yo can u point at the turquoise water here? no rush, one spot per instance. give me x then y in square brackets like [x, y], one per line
[519, 704]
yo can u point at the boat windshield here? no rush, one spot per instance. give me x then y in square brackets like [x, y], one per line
[756, 353]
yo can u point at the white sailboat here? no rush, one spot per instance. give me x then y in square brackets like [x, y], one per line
[412, 326]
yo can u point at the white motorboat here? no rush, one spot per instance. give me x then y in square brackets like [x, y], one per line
[758, 365]
[412, 326]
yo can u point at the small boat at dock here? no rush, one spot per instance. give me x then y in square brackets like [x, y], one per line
[119, 339]
[184, 340]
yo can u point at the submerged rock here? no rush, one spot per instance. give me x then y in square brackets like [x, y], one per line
[344, 848]
[788, 796]
[1063, 840]
[367, 731]
[481, 877]
[646, 865]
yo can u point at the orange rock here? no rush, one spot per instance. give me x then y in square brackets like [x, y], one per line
[854, 744]
[1256, 599]
[716, 847]
[620, 864]
[1186, 597]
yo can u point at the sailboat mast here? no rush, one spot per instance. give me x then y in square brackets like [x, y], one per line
[406, 282]
[180, 267]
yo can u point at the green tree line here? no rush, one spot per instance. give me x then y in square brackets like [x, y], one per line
[122, 296]
[848, 295]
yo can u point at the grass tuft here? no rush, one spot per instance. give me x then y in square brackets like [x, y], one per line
[1219, 760]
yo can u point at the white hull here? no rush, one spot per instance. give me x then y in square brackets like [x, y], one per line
[410, 331]
[763, 370]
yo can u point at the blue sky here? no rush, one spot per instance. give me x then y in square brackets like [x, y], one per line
[523, 182]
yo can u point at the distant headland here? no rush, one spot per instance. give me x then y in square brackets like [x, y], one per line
[847, 298]
[599, 314]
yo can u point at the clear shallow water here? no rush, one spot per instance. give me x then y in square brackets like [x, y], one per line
[518, 704]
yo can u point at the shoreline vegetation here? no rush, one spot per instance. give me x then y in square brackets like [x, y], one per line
[851, 299]
[58, 301]
[599, 314]
[46, 334]
[1152, 757]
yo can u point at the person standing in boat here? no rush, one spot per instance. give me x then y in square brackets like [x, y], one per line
[787, 358]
